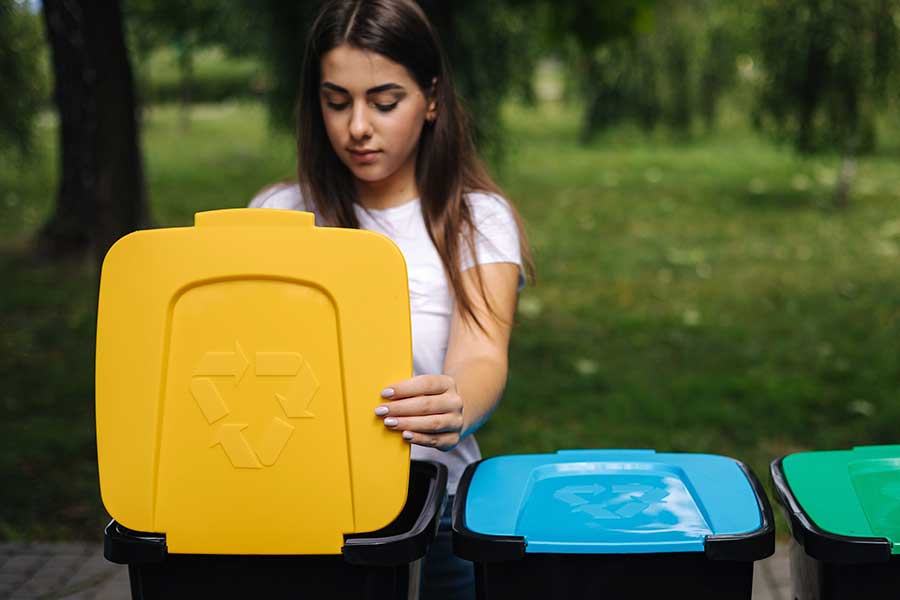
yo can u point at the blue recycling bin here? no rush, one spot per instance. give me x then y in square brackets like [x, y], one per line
[612, 524]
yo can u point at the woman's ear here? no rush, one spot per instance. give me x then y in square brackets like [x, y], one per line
[431, 112]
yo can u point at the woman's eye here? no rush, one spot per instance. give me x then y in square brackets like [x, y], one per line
[338, 106]
[386, 107]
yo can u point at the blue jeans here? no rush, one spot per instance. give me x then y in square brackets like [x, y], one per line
[445, 576]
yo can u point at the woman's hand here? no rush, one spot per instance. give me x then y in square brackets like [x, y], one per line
[426, 410]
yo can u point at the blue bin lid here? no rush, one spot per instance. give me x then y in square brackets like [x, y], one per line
[613, 501]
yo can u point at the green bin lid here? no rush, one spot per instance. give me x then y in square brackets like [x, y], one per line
[851, 493]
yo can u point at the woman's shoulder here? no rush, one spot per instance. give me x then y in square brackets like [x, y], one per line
[490, 210]
[484, 201]
[496, 234]
[284, 195]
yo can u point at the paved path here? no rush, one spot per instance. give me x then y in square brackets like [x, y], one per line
[72, 571]
[78, 571]
[772, 577]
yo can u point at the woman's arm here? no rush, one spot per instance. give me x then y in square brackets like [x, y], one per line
[439, 410]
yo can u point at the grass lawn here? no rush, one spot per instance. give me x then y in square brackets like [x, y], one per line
[693, 296]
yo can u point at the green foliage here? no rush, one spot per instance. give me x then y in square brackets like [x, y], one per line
[492, 46]
[49, 454]
[620, 82]
[186, 29]
[586, 33]
[828, 66]
[592, 24]
[22, 74]
[669, 71]
[184, 24]
[216, 76]
[285, 23]
[725, 37]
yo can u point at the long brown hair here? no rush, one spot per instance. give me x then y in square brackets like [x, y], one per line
[447, 164]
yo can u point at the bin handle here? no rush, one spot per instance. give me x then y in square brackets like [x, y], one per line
[751, 546]
[818, 543]
[475, 546]
[409, 546]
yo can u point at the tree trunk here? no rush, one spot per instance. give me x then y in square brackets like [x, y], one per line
[186, 71]
[101, 191]
[845, 181]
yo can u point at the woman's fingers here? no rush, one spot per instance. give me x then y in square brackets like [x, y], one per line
[441, 441]
[420, 405]
[445, 423]
[421, 385]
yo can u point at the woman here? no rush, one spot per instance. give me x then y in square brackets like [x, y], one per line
[384, 145]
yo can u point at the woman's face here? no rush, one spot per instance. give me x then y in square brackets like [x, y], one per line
[373, 112]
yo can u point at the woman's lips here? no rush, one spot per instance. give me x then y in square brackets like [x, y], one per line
[364, 157]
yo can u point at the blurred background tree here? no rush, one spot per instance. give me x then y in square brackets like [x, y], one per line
[724, 37]
[670, 65]
[197, 52]
[828, 67]
[101, 194]
[583, 31]
[492, 47]
[283, 26]
[184, 26]
[20, 68]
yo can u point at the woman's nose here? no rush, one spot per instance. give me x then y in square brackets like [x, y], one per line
[360, 126]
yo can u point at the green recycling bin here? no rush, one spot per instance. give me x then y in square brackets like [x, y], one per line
[843, 508]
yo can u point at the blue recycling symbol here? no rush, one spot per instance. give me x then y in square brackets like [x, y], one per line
[614, 502]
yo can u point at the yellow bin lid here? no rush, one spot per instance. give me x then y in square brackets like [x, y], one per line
[239, 362]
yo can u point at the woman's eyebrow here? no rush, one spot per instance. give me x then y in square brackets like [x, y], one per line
[375, 90]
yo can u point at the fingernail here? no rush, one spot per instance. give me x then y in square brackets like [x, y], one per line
[407, 435]
[381, 411]
[391, 422]
[387, 392]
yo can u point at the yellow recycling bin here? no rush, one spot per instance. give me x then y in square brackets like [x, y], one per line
[238, 365]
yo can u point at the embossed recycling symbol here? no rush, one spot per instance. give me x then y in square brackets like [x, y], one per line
[300, 389]
[614, 502]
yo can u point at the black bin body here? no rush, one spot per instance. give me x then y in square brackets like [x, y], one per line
[595, 577]
[817, 579]
[383, 564]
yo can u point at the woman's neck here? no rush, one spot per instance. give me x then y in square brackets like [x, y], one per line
[395, 190]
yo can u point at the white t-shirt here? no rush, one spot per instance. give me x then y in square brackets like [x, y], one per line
[431, 303]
